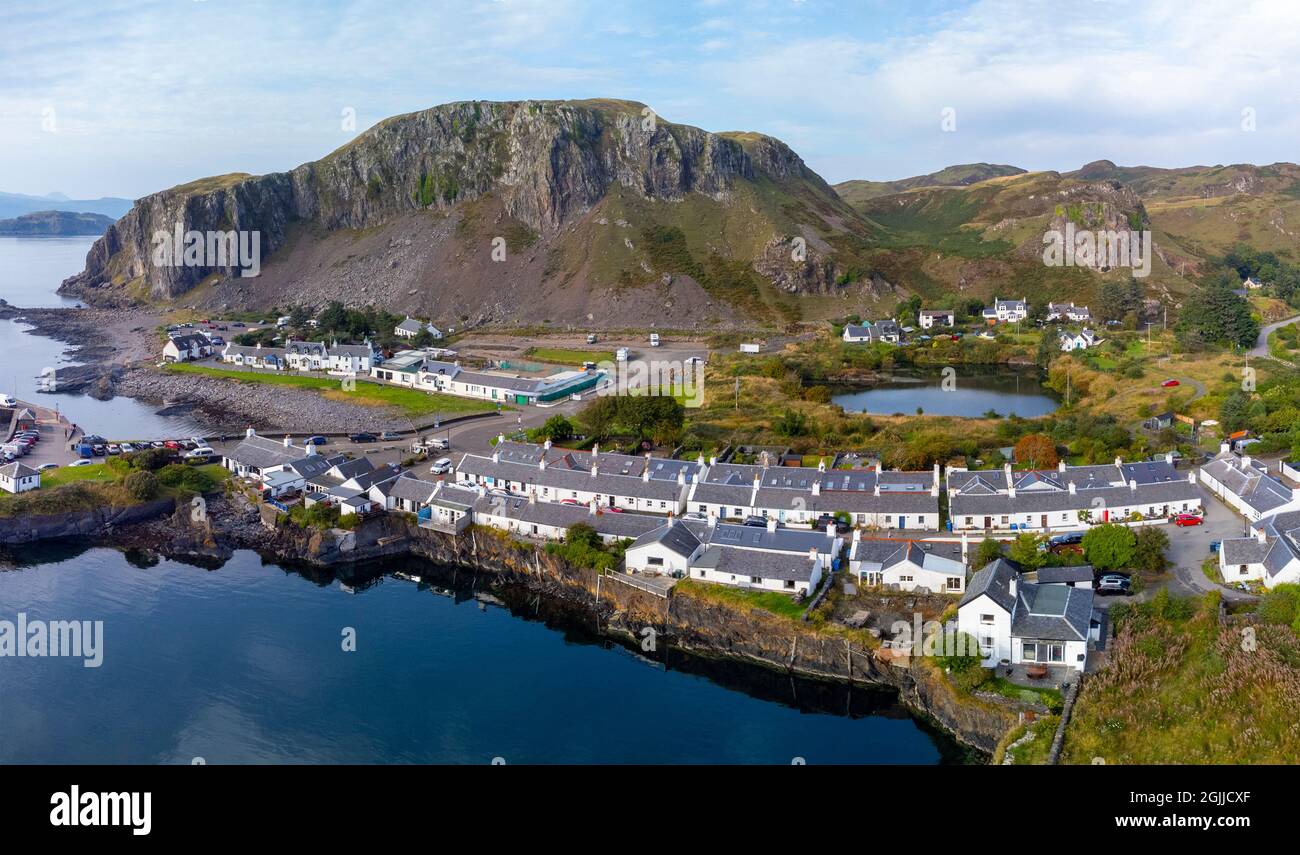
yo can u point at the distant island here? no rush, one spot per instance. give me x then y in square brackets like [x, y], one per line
[55, 223]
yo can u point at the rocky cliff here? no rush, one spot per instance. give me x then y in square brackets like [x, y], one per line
[416, 206]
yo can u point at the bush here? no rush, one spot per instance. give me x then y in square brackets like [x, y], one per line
[141, 486]
[180, 476]
[1109, 546]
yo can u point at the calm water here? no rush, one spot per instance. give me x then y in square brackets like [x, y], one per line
[30, 272]
[244, 664]
[973, 393]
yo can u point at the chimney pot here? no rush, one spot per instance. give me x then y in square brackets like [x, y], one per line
[771, 523]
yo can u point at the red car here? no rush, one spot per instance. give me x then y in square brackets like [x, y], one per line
[614, 510]
[1169, 383]
[1187, 519]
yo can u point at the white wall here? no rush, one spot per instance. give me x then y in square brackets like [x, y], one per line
[969, 622]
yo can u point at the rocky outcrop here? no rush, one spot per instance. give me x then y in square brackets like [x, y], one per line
[546, 163]
[100, 521]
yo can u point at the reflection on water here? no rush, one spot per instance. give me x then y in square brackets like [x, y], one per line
[246, 664]
[971, 392]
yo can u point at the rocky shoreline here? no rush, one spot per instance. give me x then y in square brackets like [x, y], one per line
[688, 624]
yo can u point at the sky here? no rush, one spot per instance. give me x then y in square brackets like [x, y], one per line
[126, 97]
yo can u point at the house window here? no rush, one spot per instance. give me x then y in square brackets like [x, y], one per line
[1029, 651]
[954, 583]
[889, 519]
[1242, 569]
[986, 618]
[756, 580]
[1005, 520]
[904, 578]
[968, 520]
[704, 509]
[655, 562]
[789, 584]
[987, 642]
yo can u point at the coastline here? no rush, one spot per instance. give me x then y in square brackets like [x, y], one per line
[686, 624]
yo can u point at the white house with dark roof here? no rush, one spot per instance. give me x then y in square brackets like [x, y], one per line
[187, 347]
[256, 456]
[1026, 622]
[1246, 485]
[667, 550]
[18, 478]
[1081, 340]
[1006, 311]
[1068, 312]
[1068, 497]
[410, 328]
[1270, 555]
[930, 318]
[934, 567]
[256, 356]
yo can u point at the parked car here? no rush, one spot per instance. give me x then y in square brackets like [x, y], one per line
[567, 501]
[591, 338]
[755, 520]
[613, 510]
[172, 444]
[1072, 538]
[441, 466]
[199, 454]
[127, 448]
[1113, 583]
[8, 401]
[441, 442]
[100, 449]
[315, 440]
[1187, 519]
[390, 434]
[113, 448]
[82, 462]
[696, 515]
[46, 467]
[158, 443]
[826, 519]
[85, 451]
[361, 437]
[1170, 383]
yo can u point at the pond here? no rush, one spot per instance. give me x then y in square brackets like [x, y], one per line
[958, 390]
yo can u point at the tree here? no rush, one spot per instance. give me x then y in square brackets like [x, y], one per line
[1149, 550]
[1036, 450]
[1219, 315]
[989, 550]
[1109, 546]
[1026, 550]
[141, 486]
[557, 427]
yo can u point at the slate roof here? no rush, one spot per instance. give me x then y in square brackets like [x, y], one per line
[965, 504]
[794, 540]
[260, 452]
[408, 487]
[17, 470]
[675, 535]
[571, 479]
[1061, 575]
[751, 562]
[410, 325]
[993, 579]
[1245, 550]
[626, 525]
[1052, 612]
[857, 330]
[1252, 484]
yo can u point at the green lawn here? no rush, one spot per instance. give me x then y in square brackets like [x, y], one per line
[771, 601]
[69, 474]
[409, 401]
[569, 356]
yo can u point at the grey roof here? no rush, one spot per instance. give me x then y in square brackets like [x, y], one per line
[260, 452]
[1282, 538]
[17, 470]
[887, 552]
[857, 330]
[410, 325]
[314, 464]
[1245, 550]
[674, 535]
[758, 537]
[305, 347]
[1252, 484]
[361, 350]
[1052, 612]
[191, 340]
[572, 479]
[751, 562]
[412, 489]
[625, 525]
[1047, 501]
[994, 579]
[1061, 575]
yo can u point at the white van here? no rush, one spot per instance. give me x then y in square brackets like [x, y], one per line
[621, 354]
[654, 339]
[203, 452]
[8, 401]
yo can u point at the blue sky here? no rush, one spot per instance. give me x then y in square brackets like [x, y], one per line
[124, 97]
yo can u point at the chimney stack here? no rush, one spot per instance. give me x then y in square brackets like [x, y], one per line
[771, 523]
[595, 450]
[1259, 533]
[713, 461]
[1245, 462]
[1225, 448]
[830, 529]
[250, 432]
[546, 446]
[1012, 586]
[1006, 470]
[965, 548]
[879, 467]
[288, 441]
[593, 469]
[1169, 458]
[1071, 488]
[1060, 467]
[1133, 485]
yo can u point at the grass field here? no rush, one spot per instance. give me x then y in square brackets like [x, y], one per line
[70, 474]
[770, 601]
[569, 356]
[409, 401]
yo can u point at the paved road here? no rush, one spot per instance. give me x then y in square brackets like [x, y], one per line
[1261, 344]
[1190, 546]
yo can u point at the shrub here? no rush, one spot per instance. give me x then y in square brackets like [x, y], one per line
[1109, 546]
[141, 486]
